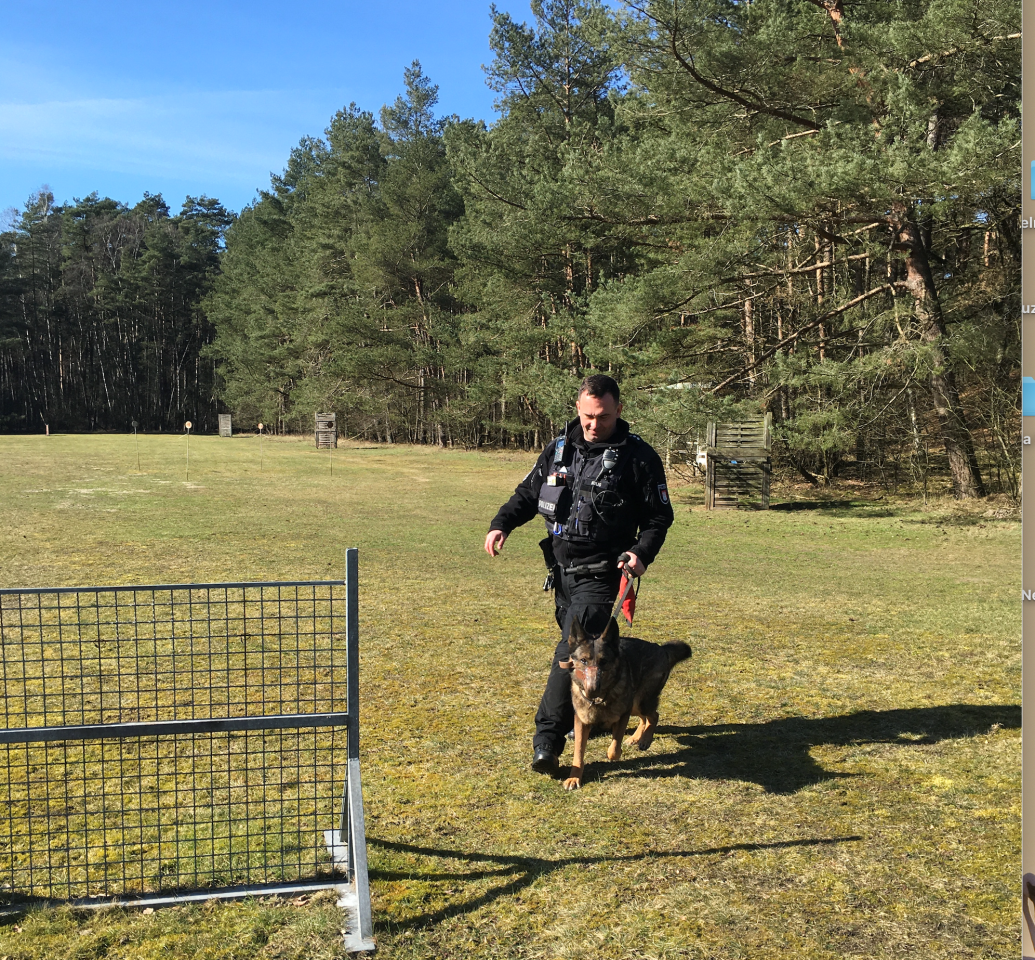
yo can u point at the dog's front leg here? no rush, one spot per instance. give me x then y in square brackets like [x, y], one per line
[614, 751]
[644, 735]
[578, 759]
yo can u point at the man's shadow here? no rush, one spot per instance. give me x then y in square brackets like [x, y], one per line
[774, 754]
[511, 874]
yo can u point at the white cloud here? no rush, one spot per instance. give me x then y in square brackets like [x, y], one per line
[237, 135]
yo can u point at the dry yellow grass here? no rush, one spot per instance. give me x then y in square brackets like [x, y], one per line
[836, 772]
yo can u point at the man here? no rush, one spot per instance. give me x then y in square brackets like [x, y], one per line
[602, 493]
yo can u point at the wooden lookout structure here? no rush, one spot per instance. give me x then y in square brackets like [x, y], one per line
[326, 430]
[225, 425]
[739, 464]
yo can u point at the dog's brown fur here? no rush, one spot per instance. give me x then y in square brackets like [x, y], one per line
[613, 678]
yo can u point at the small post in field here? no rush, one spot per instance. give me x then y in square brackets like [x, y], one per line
[327, 435]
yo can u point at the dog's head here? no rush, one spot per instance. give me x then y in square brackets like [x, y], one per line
[594, 659]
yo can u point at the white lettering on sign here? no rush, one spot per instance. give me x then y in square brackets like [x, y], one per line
[1028, 594]
[1027, 441]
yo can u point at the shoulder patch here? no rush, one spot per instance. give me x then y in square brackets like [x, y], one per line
[531, 473]
[663, 493]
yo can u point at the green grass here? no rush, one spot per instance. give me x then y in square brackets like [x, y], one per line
[837, 768]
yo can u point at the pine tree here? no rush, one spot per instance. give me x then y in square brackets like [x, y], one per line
[796, 145]
[530, 260]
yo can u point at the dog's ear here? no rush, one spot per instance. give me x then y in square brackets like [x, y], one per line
[610, 635]
[576, 635]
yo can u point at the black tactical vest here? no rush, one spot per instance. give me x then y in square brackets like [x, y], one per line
[581, 499]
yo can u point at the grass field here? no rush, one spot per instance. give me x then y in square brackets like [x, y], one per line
[837, 771]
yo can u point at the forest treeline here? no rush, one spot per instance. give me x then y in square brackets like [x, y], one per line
[101, 314]
[805, 207]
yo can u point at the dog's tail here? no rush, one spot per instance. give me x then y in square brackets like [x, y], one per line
[676, 651]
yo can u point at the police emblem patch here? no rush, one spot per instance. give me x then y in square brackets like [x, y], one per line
[663, 493]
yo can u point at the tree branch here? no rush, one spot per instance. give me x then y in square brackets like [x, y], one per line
[952, 51]
[883, 288]
[836, 12]
[729, 94]
[807, 269]
[790, 136]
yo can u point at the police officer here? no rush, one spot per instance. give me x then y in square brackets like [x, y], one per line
[602, 492]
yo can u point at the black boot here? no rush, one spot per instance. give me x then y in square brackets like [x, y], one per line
[543, 761]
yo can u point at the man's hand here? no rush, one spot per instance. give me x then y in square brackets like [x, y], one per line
[494, 542]
[633, 567]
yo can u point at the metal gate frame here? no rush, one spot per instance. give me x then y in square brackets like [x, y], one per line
[345, 843]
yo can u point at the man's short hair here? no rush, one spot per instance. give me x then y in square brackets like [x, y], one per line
[600, 385]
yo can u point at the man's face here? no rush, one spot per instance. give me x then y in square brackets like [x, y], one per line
[598, 416]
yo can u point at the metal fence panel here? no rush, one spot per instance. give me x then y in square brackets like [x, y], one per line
[176, 741]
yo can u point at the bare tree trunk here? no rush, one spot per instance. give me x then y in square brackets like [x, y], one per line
[959, 445]
[821, 291]
[785, 405]
[749, 335]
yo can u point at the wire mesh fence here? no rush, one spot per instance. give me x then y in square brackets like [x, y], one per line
[169, 738]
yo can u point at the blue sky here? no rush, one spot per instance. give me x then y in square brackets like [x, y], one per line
[209, 98]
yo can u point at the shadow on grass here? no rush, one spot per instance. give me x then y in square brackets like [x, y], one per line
[519, 872]
[858, 508]
[793, 506]
[1007, 515]
[775, 754]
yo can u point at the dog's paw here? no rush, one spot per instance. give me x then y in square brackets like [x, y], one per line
[643, 737]
[614, 751]
[572, 783]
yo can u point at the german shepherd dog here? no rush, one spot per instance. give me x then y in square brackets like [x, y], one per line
[613, 678]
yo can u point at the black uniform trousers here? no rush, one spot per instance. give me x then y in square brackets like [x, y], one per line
[589, 597]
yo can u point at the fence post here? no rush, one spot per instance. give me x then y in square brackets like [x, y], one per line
[352, 803]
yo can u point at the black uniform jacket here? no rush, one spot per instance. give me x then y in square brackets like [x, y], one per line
[643, 488]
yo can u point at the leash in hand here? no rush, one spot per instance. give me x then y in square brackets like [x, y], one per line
[626, 601]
